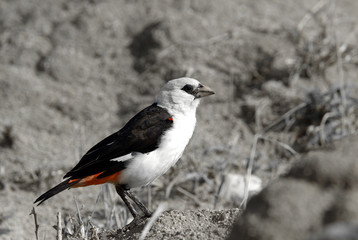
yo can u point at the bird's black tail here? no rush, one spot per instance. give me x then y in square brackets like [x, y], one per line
[57, 189]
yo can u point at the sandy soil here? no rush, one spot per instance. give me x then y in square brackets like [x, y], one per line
[72, 72]
[189, 224]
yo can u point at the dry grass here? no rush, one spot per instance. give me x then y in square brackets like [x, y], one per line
[33, 212]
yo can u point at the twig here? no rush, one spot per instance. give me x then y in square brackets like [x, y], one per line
[82, 229]
[116, 217]
[78, 210]
[124, 216]
[59, 226]
[258, 113]
[251, 163]
[106, 203]
[171, 185]
[93, 209]
[316, 8]
[189, 195]
[249, 171]
[161, 208]
[353, 99]
[149, 188]
[284, 145]
[180, 179]
[284, 117]
[111, 208]
[68, 224]
[216, 197]
[341, 76]
[33, 212]
[228, 163]
[112, 215]
[325, 118]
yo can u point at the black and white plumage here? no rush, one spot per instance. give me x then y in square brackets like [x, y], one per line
[145, 148]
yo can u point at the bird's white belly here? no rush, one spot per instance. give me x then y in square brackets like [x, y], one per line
[145, 168]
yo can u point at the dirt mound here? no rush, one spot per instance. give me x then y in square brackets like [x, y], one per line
[199, 224]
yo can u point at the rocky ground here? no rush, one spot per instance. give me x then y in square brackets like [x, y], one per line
[284, 72]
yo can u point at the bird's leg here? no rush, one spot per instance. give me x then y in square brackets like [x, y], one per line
[122, 194]
[137, 219]
[145, 210]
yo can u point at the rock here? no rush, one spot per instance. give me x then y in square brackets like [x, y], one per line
[317, 199]
[287, 209]
[233, 188]
[341, 231]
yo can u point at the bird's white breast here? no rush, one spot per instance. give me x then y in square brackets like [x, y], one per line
[145, 168]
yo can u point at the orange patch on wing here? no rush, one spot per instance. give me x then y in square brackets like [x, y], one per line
[94, 180]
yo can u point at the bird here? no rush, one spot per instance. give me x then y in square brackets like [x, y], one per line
[144, 149]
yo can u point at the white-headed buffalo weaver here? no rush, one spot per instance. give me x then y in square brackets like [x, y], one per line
[144, 149]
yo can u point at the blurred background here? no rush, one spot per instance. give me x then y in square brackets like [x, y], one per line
[73, 72]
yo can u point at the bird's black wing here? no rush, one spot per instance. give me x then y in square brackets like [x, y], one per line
[141, 134]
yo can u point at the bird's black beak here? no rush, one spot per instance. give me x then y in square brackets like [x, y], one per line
[203, 91]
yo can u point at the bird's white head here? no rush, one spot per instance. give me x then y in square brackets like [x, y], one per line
[182, 94]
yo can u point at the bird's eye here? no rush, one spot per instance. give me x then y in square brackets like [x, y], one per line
[188, 88]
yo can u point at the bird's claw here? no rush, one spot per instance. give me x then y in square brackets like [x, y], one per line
[136, 221]
[148, 214]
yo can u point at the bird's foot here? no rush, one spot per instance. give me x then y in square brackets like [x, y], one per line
[148, 213]
[136, 221]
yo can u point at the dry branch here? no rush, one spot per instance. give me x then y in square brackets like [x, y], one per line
[33, 212]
